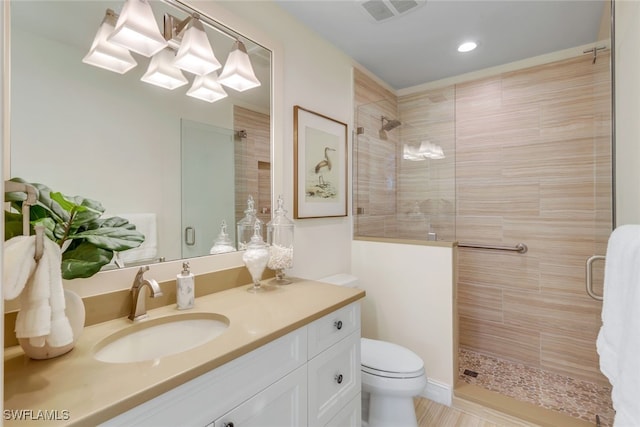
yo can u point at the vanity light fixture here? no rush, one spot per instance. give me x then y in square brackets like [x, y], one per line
[104, 54]
[238, 73]
[207, 88]
[467, 47]
[137, 29]
[194, 54]
[161, 71]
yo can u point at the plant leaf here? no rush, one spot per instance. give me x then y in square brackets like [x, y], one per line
[49, 227]
[112, 238]
[84, 261]
[45, 200]
[81, 210]
[12, 225]
[116, 221]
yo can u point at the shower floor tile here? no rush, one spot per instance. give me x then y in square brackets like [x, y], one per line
[576, 398]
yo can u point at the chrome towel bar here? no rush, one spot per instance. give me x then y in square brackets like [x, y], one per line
[520, 247]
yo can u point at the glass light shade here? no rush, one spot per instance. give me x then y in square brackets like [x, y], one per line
[207, 88]
[137, 29]
[107, 55]
[195, 54]
[161, 71]
[238, 73]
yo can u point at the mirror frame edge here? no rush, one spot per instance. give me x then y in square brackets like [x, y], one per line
[114, 280]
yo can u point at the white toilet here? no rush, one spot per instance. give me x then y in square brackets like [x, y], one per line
[391, 376]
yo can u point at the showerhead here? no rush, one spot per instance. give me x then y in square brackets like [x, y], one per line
[390, 123]
[385, 125]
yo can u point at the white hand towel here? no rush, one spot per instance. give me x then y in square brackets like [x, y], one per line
[618, 341]
[19, 264]
[61, 333]
[41, 317]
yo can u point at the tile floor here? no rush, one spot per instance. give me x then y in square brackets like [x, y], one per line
[432, 414]
[576, 398]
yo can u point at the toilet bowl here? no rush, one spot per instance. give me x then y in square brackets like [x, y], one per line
[391, 376]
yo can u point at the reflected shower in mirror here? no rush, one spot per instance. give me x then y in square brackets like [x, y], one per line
[175, 165]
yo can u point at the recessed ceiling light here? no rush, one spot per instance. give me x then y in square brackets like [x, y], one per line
[467, 46]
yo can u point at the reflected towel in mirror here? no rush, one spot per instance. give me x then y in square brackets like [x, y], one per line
[146, 223]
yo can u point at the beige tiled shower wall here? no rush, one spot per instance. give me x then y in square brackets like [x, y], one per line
[426, 188]
[253, 162]
[534, 166]
[375, 160]
[531, 162]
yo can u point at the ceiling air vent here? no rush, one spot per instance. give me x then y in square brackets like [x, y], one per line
[382, 10]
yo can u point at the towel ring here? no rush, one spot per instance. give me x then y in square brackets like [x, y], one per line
[32, 199]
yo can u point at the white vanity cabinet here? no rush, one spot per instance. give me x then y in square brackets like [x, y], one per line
[310, 376]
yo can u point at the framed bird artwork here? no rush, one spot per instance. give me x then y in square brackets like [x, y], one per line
[320, 165]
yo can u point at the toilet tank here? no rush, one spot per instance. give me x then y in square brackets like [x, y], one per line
[342, 279]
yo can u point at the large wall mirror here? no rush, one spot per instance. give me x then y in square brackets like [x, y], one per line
[174, 165]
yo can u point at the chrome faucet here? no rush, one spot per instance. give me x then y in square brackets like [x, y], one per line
[138, 308]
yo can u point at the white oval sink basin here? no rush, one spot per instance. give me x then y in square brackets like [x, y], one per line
[155, 338]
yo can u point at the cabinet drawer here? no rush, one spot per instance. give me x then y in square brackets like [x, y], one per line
[334, 379]
[282, 404]
[333, 327]
[350, 415]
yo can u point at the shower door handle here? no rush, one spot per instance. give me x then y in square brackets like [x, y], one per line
[190, 236]
[589, 277]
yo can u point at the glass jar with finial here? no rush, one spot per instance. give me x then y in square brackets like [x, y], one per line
[280, 240]
[223, 243]
[247, 225]
[256, 257]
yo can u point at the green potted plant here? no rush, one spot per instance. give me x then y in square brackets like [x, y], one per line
[87, 240]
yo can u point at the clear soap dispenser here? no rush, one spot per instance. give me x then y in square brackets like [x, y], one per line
[185, 284]
[280, 240]
[246, 225]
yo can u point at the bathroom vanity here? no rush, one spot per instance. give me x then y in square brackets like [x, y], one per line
[289, 357]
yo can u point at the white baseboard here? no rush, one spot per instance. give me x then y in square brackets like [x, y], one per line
[438, 392]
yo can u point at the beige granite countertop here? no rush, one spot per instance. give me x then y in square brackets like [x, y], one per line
[78, 390]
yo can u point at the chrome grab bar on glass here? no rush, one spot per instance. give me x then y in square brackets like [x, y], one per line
[589, 276]
[520, 247]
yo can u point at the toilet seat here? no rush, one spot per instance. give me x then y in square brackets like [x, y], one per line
[385, 359]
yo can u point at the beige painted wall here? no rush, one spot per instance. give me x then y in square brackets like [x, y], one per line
[318, 77]
[410, 302]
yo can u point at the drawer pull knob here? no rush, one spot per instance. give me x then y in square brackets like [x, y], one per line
[229, 424]
[338, 324]
[338, 378]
